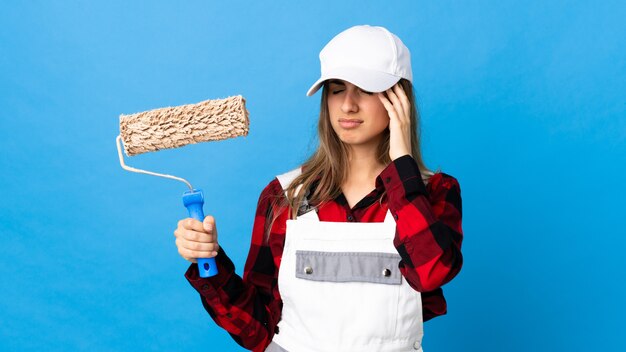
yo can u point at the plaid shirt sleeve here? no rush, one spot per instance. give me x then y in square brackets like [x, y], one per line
[428, 226]
[245, 307]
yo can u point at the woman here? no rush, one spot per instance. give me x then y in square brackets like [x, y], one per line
[349, 251]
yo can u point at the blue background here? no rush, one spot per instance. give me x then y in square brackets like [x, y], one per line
[523, 102]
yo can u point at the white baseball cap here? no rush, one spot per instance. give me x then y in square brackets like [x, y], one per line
[369, 57]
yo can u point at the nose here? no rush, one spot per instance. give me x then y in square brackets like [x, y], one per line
[349, 103]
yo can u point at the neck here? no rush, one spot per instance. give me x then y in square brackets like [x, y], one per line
[363, 166]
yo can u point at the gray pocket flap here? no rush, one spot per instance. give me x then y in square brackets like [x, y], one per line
[371, 267]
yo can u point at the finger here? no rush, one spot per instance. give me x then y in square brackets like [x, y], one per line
[397, 105]
[391, 111]
[395, 102]
[406, 104]
[197, 246]
[188, 253]
[209, 223]
[192, 224]
[181, 252]
[196, 236]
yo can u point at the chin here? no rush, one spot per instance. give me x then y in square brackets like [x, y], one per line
[355, 141]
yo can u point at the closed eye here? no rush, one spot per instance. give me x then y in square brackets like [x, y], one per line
[337, 91]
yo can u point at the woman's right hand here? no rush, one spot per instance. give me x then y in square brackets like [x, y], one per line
[196, 239]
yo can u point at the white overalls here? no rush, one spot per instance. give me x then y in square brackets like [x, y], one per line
[342, 289]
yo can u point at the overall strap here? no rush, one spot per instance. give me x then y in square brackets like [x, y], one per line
[288, 177]
[285, 180]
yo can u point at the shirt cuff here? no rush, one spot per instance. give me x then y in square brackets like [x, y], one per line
[207, 286]
[402, 172]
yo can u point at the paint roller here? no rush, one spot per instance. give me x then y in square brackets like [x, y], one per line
[173, 127]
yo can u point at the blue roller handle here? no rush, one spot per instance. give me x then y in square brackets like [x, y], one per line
[193, 201]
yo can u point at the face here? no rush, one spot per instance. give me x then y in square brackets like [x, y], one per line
[357, 116]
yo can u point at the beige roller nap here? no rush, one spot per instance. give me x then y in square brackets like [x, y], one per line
[173, 127]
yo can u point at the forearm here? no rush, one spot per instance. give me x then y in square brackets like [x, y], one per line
[428, 268]
[236, 306]
[428, 226]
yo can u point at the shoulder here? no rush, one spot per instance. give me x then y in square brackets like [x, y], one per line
[286, 178]
[271, 196]
[272, 190]
[275, 188]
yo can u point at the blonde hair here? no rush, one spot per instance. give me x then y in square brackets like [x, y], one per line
[329, 163]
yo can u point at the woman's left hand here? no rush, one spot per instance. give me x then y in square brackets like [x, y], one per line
[399, 110]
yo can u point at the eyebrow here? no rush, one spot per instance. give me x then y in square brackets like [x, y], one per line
[336, 81]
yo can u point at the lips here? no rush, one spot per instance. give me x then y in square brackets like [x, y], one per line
[350, 123]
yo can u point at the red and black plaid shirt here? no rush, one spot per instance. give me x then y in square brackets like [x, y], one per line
[428, 239]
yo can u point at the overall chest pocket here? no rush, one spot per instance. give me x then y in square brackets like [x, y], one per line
[371, 267]
[355, 293]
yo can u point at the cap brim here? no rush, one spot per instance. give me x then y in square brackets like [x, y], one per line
[371, 81]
